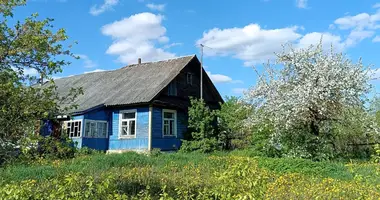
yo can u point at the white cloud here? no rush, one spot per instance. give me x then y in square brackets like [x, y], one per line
[376, 39]
[251, 43]
[357, 36]
[359, 21]
[220, 78]
[377, 5]
[26, 71]
[157, 7]
[327, 40]
[361, 26]
[301, 3]
[239, 90]
[96, 70]
[107, 5]
[138, 36]
[30, 71]
[254, 44]
[172, 45]
[88, 63]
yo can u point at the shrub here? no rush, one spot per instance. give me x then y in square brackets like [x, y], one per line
[202, 121]
[155, 152]
[206, 145]
[232, 116]
[36, 147]
[376, 153]
[85, 151]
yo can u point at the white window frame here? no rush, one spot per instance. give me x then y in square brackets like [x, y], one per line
[163, 122]
[96, 121]
[121, 121]
[73, 121]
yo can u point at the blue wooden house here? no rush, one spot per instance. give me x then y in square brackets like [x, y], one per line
[138, 107]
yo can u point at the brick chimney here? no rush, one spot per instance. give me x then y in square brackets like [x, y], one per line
[139, 61]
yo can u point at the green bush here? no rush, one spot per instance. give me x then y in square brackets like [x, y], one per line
[155, 152]
[37, 147]
[85, 151]
[375, 157]
[206, 145]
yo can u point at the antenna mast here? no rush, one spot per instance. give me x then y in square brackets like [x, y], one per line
[201, 86]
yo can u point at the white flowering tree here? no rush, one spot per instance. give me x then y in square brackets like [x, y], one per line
[309, 88]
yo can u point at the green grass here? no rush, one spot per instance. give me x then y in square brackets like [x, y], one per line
[98, 163]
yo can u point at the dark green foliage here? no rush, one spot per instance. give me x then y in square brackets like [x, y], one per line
[233, 130]
[30, 45]
[201, 120]
[206, 145]
[39, 147]
[155, 152]
[202, 124]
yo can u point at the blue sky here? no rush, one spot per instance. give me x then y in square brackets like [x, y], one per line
[240, 33]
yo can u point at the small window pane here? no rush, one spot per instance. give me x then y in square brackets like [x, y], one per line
[125, 123]
[87, 133]
[124, 130]
[93, 129]
[171, 128]
[169, 115]
[75, 131]
[132, 127]
[101, 129]
[129, 115]
[166, 129]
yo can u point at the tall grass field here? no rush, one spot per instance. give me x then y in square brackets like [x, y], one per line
[235, 175]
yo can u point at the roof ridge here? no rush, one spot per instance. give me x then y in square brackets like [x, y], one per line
[174, 58]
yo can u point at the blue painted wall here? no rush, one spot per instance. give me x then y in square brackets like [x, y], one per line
[113, 142]
[95, 143]
[142, 130]
[100, 114]
[167, 143]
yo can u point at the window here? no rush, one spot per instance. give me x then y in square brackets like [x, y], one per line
[95, 129]
[172, 89]
[73, 128]
[169, 123]
[189, 78]
[127, 124]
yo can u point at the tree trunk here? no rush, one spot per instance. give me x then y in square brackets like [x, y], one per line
[314, 128]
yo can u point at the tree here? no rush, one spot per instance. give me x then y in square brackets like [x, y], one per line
[202, 125]
[31, 45]
[232, 123]
[307, 90]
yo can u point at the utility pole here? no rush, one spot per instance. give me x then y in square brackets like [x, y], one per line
[201, 86]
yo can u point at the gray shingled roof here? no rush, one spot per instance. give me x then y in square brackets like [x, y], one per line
[138, 83]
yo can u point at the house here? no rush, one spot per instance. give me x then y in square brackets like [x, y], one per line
[137, 107]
